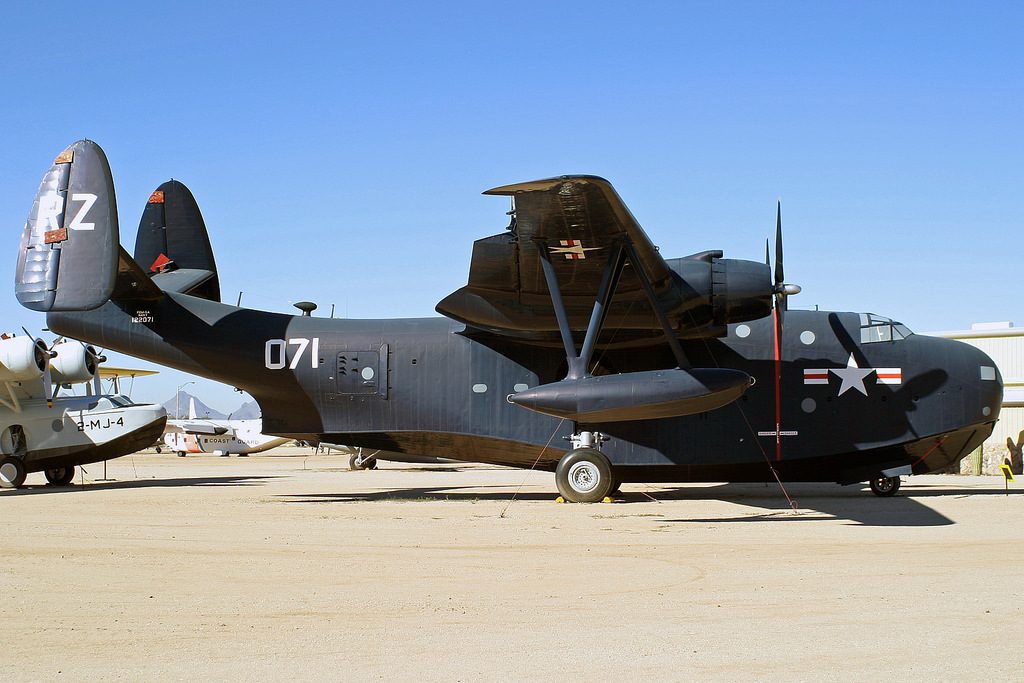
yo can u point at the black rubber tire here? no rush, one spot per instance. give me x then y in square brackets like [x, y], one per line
[885, 487]
[61, 476]
[584, 475]
[12, 472]
[353, 463]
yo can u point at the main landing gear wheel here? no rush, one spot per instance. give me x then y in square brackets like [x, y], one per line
[356, 462]
[12, 472]
[885, 486]
[61, 476]
[584, 475]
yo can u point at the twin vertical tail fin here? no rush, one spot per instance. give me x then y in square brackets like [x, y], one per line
[71, 258]
[69, 249]
[173, 245]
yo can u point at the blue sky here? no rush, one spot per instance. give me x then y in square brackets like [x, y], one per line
[338, 150]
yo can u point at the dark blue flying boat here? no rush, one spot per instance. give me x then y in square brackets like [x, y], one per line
[574, 347]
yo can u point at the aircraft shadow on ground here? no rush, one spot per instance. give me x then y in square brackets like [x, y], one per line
[37, 489]
[854, 503]
[423, 494]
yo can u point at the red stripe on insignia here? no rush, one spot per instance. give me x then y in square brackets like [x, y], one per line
[815, 376]
[889, 375]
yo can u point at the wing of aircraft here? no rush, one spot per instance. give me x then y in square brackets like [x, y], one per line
[198, 427]
[575, 260]
[577, 231]
[574, 227]
[107, 372]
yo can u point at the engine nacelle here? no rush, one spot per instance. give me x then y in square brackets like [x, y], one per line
[22, 358]
[743, 290]
[75, 362]
[723, 291]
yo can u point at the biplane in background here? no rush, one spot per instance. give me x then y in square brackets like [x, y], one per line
[43, 431]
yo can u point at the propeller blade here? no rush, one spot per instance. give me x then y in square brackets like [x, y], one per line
[48, 389]
[47, 356]
[782, 290]
[98, 358]
[779, 277]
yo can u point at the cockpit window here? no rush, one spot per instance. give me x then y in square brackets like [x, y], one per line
[875, 328]
[122, 401]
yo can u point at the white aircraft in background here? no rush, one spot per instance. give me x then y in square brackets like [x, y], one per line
[220, 437]
[43, 432]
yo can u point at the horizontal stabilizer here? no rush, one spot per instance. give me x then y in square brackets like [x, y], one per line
[185, 280]
[132, 282]
[69, 248]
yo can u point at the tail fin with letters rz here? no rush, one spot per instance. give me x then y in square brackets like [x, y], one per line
[69, 249]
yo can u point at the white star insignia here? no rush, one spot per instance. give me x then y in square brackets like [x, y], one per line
[852, 376]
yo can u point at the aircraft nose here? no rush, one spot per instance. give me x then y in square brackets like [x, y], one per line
[959, 412]
[982, 382]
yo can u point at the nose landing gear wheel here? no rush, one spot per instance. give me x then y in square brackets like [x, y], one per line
[584, 475]
[61, 476]
[12, 472]
[885, 486]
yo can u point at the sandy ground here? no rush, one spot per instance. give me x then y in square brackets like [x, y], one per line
[281, 565]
